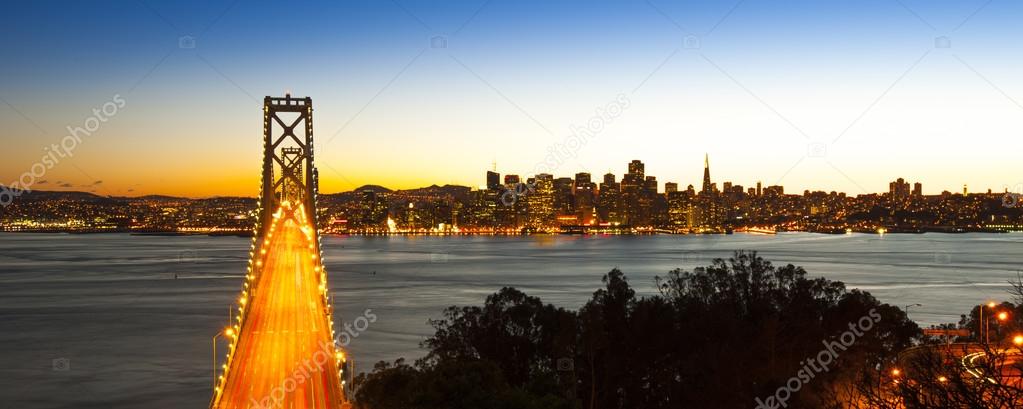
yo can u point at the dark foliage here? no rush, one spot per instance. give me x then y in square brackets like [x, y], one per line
[722, 336]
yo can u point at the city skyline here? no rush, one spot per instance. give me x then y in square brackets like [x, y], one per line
[412, 93]
[699, 185]
[543, 203]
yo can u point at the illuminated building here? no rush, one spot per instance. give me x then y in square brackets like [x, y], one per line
[540, 202]
[708, 188]
[493, 180]
[609, 200]
[585, 195]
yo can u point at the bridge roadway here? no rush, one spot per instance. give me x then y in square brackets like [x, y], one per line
[283, 354]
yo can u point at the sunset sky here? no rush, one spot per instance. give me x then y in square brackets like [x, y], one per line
[813, 95]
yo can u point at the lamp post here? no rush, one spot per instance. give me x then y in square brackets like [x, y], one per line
[983, 334]
[228, 332]
[1002, 316]
[906, 308]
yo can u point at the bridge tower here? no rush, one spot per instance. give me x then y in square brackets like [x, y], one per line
[293, 117]
[283, 351]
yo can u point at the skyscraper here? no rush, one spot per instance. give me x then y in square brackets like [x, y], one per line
[899, 189]
[632, 188]
[493, 180]
[707, 187]
[584, 198]
[582, 180]
[637, 168]
[540, 203]
[609, 200]
[650, 184]
[564, 198]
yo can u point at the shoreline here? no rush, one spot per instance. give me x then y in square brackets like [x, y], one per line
[509, 234]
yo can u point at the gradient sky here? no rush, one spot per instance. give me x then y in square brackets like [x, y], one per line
[771, 81]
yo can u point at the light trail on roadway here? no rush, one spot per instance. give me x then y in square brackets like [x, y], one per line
[283, 353]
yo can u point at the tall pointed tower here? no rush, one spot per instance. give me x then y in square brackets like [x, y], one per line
[707, 188]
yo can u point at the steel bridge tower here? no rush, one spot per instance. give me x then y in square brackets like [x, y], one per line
[282, 348]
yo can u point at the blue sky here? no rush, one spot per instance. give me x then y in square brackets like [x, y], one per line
[812, 95]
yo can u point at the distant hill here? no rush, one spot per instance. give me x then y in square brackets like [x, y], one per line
[375, 188]
[456, 191]
[52, 195]
[453, 190]
[157, 198]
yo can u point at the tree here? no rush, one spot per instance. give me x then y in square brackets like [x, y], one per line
[722, 336]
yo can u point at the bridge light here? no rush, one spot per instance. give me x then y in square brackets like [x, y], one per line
[229, 332]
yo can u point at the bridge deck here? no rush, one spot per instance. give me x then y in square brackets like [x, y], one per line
[284, 356]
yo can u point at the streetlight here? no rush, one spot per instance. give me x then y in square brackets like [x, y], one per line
[906, 308]
[982, 333]
[1002, 316]
[229, 332]
[1018, 340]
